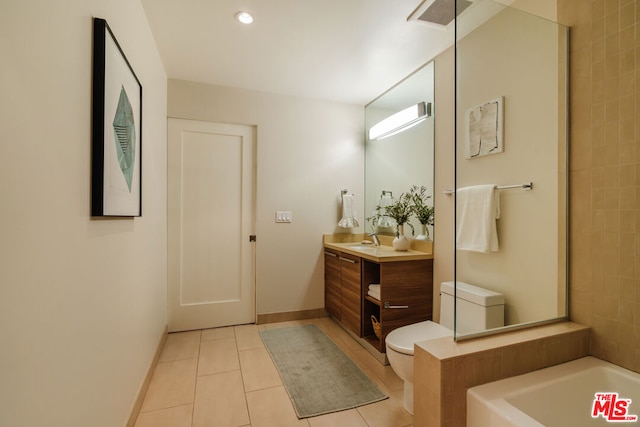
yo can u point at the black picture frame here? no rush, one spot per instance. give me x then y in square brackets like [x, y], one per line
[116, 159]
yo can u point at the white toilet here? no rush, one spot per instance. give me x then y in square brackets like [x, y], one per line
[478, 310]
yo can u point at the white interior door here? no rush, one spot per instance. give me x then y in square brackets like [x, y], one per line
[211, 216]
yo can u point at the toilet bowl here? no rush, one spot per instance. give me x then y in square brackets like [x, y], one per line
[478, 309]
[400, 352]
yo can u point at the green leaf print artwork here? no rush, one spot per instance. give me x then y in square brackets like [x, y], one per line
[125, 136]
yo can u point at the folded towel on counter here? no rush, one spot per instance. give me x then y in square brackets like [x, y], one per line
[348, 218]
[478, 208]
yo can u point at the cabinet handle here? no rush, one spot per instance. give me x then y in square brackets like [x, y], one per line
[349, 260]
[330, 254]
[387, 304]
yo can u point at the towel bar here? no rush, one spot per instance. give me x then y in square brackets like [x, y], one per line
[527, 186]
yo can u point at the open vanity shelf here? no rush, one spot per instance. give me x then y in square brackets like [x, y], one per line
[406, 290]
[406, 296]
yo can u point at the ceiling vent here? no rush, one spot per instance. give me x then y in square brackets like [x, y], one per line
[439, 12]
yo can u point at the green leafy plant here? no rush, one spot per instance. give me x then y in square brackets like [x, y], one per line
[400, 210]
[415, 202]
[422, 210]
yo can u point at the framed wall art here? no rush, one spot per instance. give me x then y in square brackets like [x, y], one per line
[485, 129]
[116, 175]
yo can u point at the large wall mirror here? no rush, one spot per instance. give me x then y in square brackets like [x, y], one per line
[511, 129]
[395, 163]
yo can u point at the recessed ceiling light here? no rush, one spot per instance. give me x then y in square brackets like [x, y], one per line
[244, 17]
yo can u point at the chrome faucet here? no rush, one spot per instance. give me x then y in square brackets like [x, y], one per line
[374, 237]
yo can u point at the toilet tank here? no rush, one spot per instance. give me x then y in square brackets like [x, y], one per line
[478, 309]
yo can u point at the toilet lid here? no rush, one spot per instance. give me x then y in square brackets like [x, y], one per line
[403, 339]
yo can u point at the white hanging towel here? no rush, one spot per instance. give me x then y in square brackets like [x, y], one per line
[348, 219]
[478, 207]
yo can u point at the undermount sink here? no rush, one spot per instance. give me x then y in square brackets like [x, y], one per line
[371, 248]
[360, 247]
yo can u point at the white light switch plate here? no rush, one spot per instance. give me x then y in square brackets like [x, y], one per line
[283, 216]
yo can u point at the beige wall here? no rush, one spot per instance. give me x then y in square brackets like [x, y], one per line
[307, 151]
[82, 301]
[604, 274]
[522, 68]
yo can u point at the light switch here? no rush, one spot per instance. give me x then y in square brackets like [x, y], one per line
[283, 216]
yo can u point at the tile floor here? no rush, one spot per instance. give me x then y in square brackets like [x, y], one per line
[225, 377]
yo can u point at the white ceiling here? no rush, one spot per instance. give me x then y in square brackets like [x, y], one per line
[342, 50]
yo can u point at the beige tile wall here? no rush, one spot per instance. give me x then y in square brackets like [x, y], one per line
[604, 174]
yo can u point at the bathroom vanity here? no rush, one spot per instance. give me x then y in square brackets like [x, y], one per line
[406, 286]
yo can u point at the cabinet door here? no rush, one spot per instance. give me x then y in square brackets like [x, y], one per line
[405, 284]
[332, 285]
[351, 293]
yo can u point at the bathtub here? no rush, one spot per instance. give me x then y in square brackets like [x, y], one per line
[562, 395]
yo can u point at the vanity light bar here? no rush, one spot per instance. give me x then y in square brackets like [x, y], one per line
[400, 121]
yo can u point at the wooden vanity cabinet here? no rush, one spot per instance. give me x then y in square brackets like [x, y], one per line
[332, 285]
[342, 292]
[406, 296]
[351, 292]
[406, 287]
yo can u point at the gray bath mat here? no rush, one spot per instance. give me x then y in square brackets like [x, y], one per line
[318, 376]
